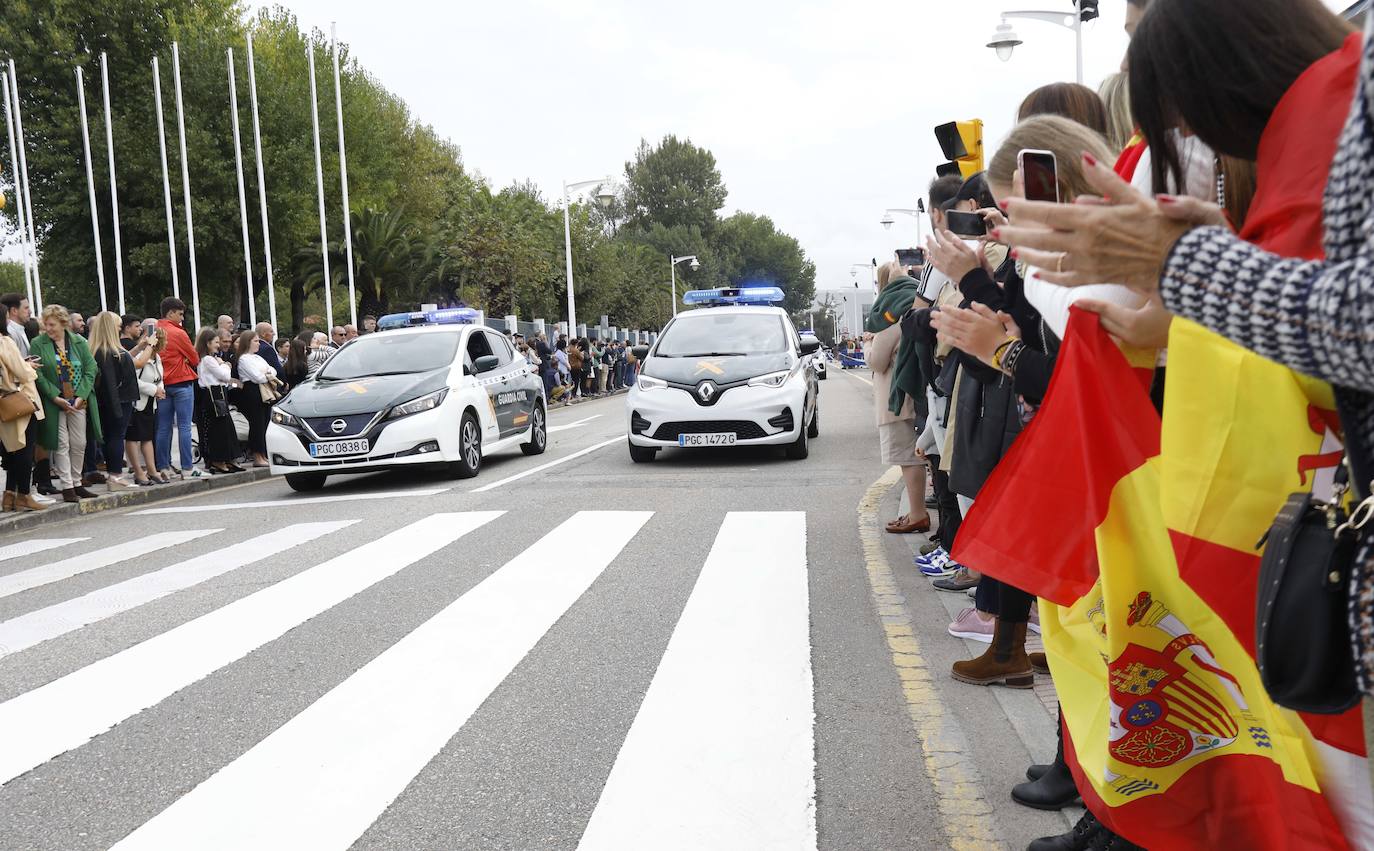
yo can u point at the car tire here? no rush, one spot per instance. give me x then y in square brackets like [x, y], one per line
[642, 454]
[814, 430]
[799, 448]
[539, 432]
[469, 461]
[305, 482]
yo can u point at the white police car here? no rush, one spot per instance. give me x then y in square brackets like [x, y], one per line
[818, 360]
[735, 373]
[430, 389]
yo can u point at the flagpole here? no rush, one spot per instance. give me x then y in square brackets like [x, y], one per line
[343, 180]
[243, 203]
[319, 182]
[262, 185]
[186, 185]
[166, 181]
[90, 188]
[19, 214]
[37, 301]
[114, 193]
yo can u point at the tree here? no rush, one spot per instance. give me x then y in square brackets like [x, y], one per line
[675, 184]
[753, 251]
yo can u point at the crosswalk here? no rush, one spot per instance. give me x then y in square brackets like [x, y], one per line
[719, 754]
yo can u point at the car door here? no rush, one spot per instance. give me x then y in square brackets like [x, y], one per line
[478, 345]
[512, 396]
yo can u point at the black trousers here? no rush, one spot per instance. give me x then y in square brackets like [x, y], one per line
[946, 502]
[1008, 602]
[19, 464]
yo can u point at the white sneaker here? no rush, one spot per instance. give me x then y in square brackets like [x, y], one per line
[38, 497]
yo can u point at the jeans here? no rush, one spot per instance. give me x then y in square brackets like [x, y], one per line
[181, 404]
[113, 424]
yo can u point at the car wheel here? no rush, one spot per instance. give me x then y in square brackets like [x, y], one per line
[642, 454]
[814, 430]
[469, 461]
[305, 482]
[799, 448]
[539, 433]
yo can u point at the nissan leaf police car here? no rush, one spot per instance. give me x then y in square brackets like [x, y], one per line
[734, 373]
[430, 388]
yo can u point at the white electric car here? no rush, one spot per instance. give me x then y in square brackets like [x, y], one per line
[733, 373]
[429, 389]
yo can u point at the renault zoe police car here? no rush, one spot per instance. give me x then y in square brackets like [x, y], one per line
[430, 388]
[734, 373]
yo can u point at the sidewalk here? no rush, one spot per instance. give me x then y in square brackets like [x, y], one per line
[15, 521]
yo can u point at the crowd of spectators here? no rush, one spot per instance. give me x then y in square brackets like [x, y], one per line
[578, 369]
[1223, 127]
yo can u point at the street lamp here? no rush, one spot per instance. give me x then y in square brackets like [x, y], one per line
[672, 265]
[604, 197]
[918, 214]
[1004, 39]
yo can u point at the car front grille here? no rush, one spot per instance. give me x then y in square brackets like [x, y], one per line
[353, 424]
[743, 429]
[783, 421]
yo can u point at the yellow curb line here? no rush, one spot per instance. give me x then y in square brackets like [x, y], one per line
[965, 815]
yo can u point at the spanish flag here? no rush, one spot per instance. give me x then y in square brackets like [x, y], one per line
[1146, 561]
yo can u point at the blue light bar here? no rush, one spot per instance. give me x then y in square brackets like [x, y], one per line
[448, 316]
[740, 296]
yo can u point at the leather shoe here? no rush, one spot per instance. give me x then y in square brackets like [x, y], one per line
[28, 503]
[1053, 790]
[1080, 838]
[44, 486]
[904, 525]
[69, 495]
[82, 493]
[93, 479]
[1040, 664]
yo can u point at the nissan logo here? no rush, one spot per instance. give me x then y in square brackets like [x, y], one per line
[338, 426]
[706, 391]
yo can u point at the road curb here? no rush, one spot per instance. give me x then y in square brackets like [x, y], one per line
[19, 521]
[966, 816]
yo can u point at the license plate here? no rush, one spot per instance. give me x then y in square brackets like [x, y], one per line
[720, 438]
[335, 448]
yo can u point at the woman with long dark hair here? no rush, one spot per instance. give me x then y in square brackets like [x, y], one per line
[218, 442]
[259, 381]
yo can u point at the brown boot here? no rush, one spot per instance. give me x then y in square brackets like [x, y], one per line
[1004, 663]
[69, 495]
[1039, 663]
[26, 502]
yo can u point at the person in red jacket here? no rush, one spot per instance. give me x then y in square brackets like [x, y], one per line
[179, 362]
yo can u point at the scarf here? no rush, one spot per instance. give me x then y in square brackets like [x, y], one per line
[895, 299]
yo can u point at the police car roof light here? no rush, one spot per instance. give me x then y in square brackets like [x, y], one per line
[733, 295]
[448, 316]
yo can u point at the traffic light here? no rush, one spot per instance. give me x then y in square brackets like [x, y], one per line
[962, 144]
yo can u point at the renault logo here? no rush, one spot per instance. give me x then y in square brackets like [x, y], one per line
[338, 426]
[706, 391]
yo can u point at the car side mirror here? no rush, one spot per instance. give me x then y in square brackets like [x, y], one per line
[486, 363]
[640, 352]
[810, 347]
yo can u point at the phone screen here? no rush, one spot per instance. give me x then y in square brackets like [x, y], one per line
[911, 256]
[966, 224]
[1040, 174]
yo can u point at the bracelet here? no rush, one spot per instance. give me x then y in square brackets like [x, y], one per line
[1001, 351]
[1013, 357]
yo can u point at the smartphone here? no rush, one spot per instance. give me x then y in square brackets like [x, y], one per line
[1040, 175]
[911, 256]
[966, 224]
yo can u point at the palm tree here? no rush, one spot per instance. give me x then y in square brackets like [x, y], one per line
[389, 258]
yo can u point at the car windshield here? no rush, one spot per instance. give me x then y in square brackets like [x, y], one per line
[387, 353]
[708, 332]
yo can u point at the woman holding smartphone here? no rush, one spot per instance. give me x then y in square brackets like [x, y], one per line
[142, 430]
[66, 384]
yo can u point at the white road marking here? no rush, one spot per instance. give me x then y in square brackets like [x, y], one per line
[38, 626]
[554, 429]
[66, 713]
[322, 778]
[35, 545]
[96, 559]
[721, 753]
[542, 467]
[289, 503]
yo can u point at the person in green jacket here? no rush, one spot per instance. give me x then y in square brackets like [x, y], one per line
[66, 381]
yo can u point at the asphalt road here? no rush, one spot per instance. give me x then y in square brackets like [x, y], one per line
[568, 651]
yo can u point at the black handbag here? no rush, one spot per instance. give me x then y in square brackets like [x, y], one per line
[219, 400]
[1302, 629]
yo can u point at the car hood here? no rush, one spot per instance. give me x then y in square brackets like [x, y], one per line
[317, 398]
[722, 370]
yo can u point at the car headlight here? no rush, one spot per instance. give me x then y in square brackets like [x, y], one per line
[282, 418]
[645, 382]
[427, 402]
[772, 379]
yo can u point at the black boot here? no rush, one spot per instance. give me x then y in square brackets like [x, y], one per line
[42, 477]
[1081, 838]
[1052, 788]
